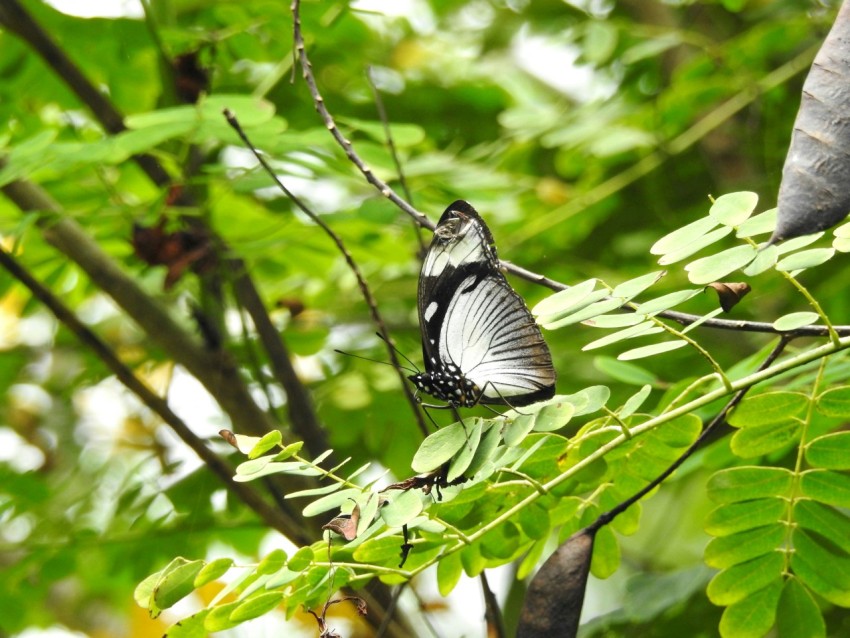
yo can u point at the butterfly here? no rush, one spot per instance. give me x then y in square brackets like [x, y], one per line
[479, 341]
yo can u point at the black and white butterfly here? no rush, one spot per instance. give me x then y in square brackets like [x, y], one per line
[479, 340]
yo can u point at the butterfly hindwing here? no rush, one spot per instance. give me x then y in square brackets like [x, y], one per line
[479, 341]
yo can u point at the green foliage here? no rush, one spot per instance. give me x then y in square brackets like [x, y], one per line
[571, 187]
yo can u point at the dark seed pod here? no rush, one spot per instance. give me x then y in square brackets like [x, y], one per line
[815, 189]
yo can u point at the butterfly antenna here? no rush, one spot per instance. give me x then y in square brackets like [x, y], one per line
[397, 351]
[385, 363]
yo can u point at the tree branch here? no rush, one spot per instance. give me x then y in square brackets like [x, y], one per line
[271, 516]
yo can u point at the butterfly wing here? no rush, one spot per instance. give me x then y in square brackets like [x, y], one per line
[471, 317]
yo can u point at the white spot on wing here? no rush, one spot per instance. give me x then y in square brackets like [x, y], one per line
[430, 310]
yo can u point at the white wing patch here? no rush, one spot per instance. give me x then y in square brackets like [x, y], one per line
[467, 247]
[492, 338]
[430, 310]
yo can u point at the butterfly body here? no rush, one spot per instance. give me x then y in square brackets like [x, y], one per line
[479, 341]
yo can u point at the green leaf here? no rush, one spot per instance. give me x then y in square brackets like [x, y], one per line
[833, 568]
[665, 302]
[831, 451]
[763, 439]
[272, 562]
[331, 501]
[825, 521]
[642, 329]
[449, 571]
[683, 236]
[798, 615]
[624, 371]
[191, 627]
[758, 225]
[741, 581]
[143, 594]
[746, 483]
[534, 521]
[754, 616]
[593, 310]
[256, 606]
[680, 432]
[622, 320]
[218, 618]
[554, 416]
[716, 267]
[379, 551]
[212, 571]
[485, 450]
[633, 287]
[316, 491]
[835, 402]
[270, 440]
[826, 486]
[589, 400]
[768, 407]
[726, 551]
[687, 250]
[176, 582]
[735, 208]
[796, 320]
[301, 559]
[403, 135]
[439, 447]
[566, 301]
[798, 242]
[805, 259]
[634, 402]
[463, 458]
[738, 517]
[765, 260]
[402, 508]
[517, 429]
[654, 349]
[606, 553]
[247, 471]
[289, 451]
[811, 574]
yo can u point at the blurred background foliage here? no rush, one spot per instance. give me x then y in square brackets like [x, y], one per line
[582, 131]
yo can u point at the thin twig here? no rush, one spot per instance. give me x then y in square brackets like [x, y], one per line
[716, 422]
[678, 144]
[379, 633]
[352, 265]
[272, 517]
[319, 103]
[492, 613]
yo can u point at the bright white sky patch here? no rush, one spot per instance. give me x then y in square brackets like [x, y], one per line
[99, 8]
[555, 64]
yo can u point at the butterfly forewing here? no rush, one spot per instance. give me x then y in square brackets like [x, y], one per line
[476, 331]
